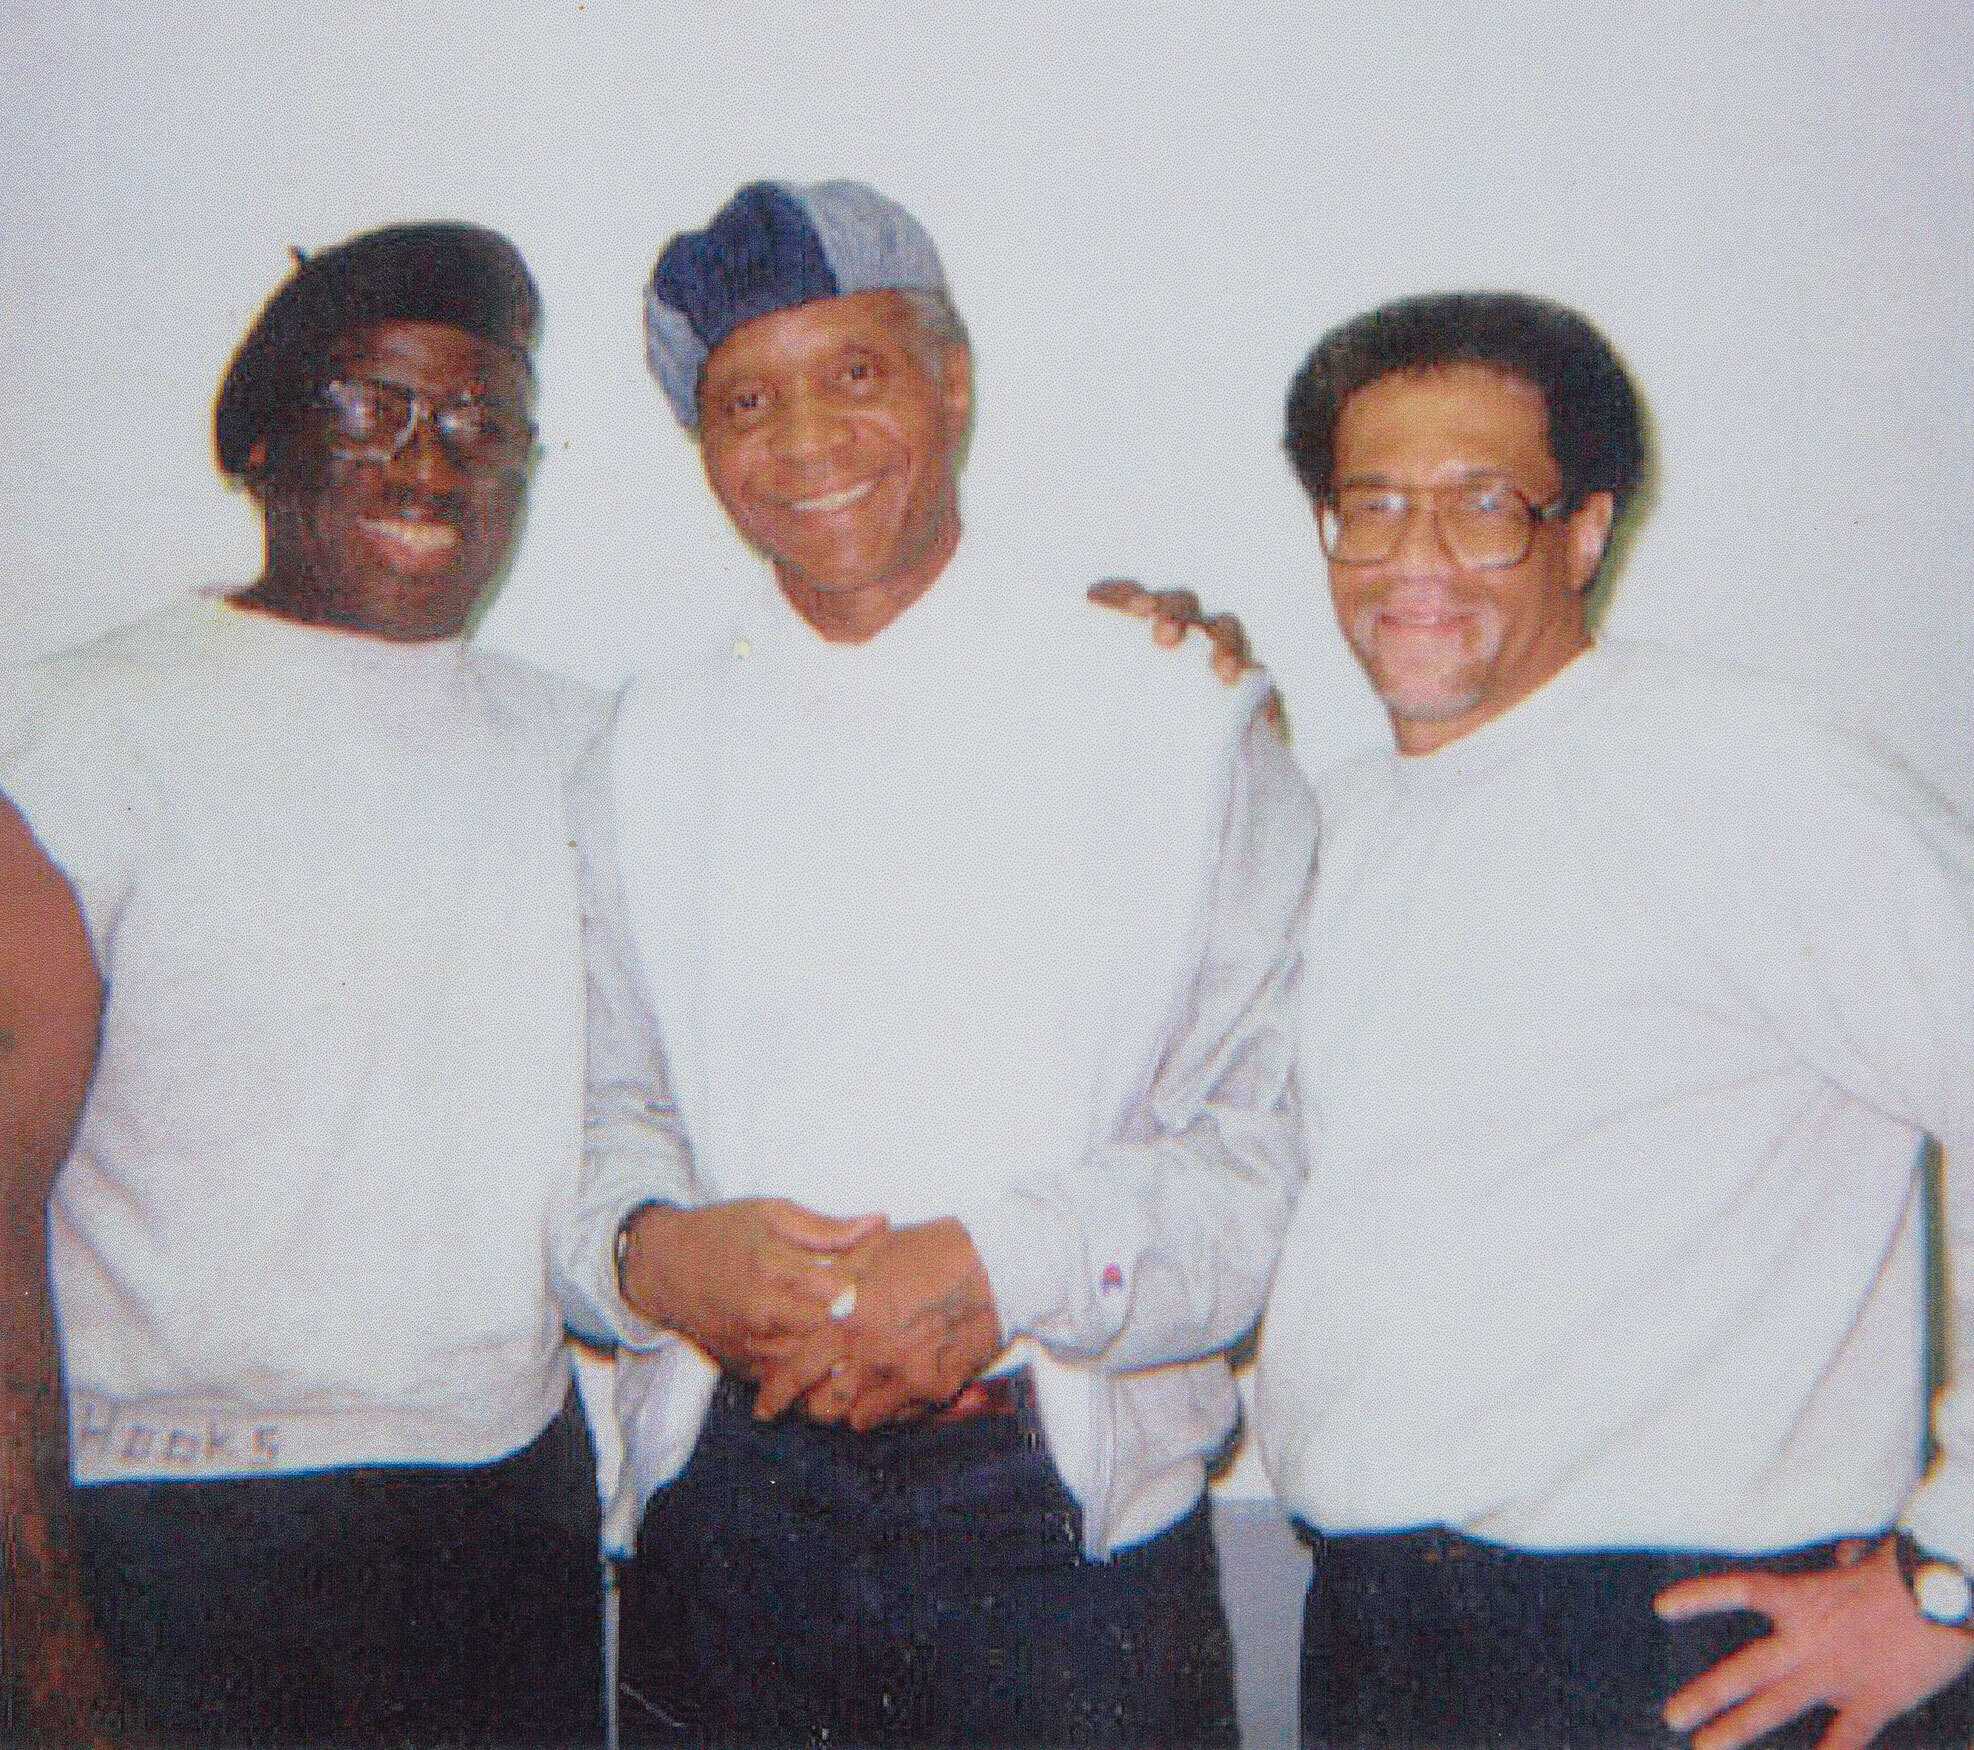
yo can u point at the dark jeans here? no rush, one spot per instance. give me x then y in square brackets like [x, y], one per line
[444, 1605]
[802, 1585]
[1430, 1638]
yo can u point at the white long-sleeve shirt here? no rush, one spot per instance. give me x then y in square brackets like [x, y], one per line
[1625, 1018]
[992, 916]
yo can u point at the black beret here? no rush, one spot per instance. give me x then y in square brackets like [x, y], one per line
[461, 275]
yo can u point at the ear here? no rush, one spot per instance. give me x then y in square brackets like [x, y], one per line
[956, 383]
[1588, 533]
[253, 471]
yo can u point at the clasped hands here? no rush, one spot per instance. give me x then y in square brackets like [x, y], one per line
[847, 1319]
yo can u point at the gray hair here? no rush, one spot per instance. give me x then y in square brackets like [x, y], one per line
[936, 327]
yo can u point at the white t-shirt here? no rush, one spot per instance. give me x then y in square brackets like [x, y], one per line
[333, 889]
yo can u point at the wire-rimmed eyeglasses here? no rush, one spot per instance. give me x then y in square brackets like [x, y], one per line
[374, 420]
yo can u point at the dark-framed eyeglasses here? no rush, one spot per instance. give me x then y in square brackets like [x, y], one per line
[373, 419]
[1486, 525]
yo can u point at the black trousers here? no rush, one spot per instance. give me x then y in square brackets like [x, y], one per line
[400, 1606]
[1431, 1638]
[922, 1585]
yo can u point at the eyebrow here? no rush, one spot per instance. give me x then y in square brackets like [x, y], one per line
[1464, 477]
[475, 390]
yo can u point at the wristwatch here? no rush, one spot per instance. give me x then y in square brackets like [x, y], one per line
[620, 1251]
[1942, 1589]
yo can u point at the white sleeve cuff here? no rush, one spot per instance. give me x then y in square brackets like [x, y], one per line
[1022, 1255]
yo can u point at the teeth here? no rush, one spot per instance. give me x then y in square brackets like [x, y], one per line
[1419, 616]
[829, 501]
[420, 537]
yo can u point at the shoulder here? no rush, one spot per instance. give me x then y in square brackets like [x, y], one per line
[570, 713]
[674, 694]
[167, 638]
[1344, 787]
[1104, 666]
[88, 688]
[1681, 723]
[84, 735]
[1727, 782]
[1654, 688]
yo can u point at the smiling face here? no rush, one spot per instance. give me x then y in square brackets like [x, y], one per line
[1447, 647]
[833, 444]
[400, 547]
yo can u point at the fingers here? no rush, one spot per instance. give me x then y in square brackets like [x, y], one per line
[804, 1262]
[863, 1397]
[816, 1278]
[742, 1281]
[1707, 1594]
[802, 1227]
[1739, 1675]
[816, 1370]
[1171, 611]
[1231, 659]
[908, 1319]
[830, 1398]
[1276, 715]
[1854, 1729]
[1174, 613]
[811, 1313]
[813, 1369]
[1844, 1636]
[1756, 1666]
[784, 1293]
[1122, 594]
[884, 1399]
[1755, 1719]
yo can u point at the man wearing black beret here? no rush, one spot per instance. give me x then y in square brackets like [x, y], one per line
[292, 1042]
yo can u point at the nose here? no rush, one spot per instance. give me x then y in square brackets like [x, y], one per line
[1421, 546]
[807, 428]
[424, 457]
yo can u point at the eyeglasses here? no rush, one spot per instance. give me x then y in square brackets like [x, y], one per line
[1486, 525]
[374, 420]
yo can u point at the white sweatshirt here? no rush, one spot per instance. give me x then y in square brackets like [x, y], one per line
[1626, 1015]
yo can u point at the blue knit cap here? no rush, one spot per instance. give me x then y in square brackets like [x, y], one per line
[772, 246]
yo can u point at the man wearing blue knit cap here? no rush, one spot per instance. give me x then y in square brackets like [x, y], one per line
[972, 928]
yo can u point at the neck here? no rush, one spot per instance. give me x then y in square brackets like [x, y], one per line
[1424, 735]
[294, 598]
[856, 614]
